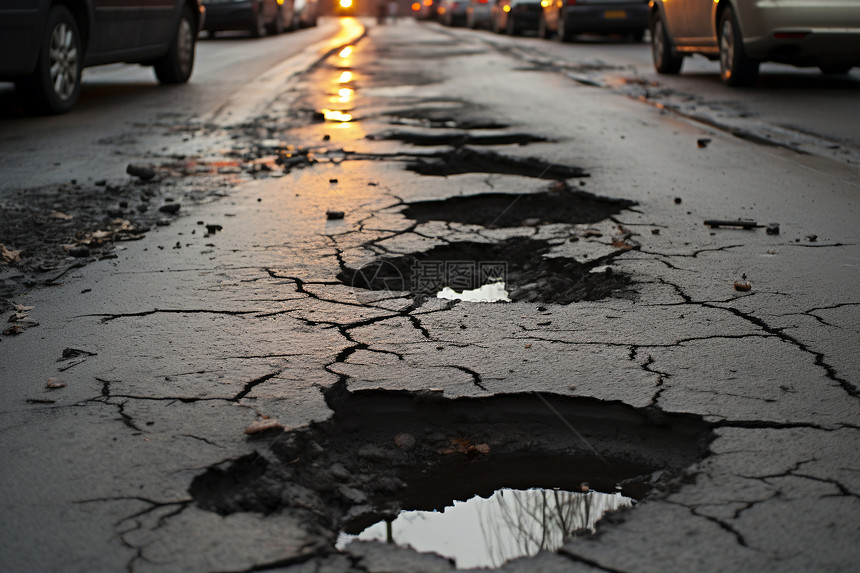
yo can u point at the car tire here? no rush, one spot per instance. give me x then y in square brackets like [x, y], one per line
[511, 27]
[835, 70]
[176, 66]
[276, 28]
[258, 26]
[55, 85]
[542, 32]
[562, 34]
[736, 68]
[662, 52]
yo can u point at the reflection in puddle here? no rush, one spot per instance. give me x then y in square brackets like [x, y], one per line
[335, 115]
[489, 532]
[493, 292]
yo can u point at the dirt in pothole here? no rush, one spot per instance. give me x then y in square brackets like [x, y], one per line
[518, 262]
[564, 205]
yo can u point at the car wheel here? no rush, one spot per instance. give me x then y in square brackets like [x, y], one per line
[511, 28]
[736, 68]
[835, 70]
[56, 84]
[277, 27]
[542, 31]
[175, 66]
[662, 53]
[562, 34]
[258, 27]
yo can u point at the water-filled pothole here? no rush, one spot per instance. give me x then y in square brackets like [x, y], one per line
[563, 205]
[468, 160]
[488, 532]
[385, 451]
[518, 262]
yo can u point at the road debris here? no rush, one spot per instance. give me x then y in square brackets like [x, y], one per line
[263, 425]
[142, 172]
[171, 208]
[739, 223]
[743, 286]
[8, 256]
[772, 229]
[54, 384]
[703, 142]
[334, 215]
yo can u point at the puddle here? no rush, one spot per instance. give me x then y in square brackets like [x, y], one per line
[506, 210]
[468, 160]
[385, 451]
[492, 292]
[488, 532]
[463, 266]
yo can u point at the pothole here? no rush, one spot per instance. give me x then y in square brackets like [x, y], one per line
[457, 139]
[512, 523]
[386, 451]
[468, 160]
[518, 262]
[505, 210]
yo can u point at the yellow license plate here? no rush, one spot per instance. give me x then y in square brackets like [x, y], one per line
[615, 14]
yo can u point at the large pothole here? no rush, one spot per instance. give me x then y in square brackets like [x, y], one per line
[468, 160]
[562, 205]
[385, 451]
[518, 262]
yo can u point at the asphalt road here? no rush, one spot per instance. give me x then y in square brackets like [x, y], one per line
[225, 394]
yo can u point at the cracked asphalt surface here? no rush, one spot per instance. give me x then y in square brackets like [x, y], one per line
[176, 347]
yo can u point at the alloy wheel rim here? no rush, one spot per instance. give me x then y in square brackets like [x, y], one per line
[727, 48]
[658, 42]
[184, 45]
[63, 54]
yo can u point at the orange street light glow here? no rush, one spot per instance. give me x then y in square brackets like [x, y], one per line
[334, 115]
[345, 3]
[416, 6]
[428, 3]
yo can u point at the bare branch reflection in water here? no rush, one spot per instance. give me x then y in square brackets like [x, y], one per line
[489, 532]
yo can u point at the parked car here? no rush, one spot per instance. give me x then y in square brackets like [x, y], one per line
[478, 14]
[258, 17]
[44, 46]
[565, 18]
[305, 13]
[515, 16]
[452, 12]
[744, 33]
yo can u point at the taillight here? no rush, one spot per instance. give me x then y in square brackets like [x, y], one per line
[571, 2]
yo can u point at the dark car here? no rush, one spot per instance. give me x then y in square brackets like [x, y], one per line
[45, 44]
[565, 18]
[452, 12]
[515, 16]
[258, 17]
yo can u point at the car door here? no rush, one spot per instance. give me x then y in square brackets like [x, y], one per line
[675, 15]
[158, 20]
[700, 22]
[116, 26]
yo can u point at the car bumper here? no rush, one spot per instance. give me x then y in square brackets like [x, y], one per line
[607, 18]
[231, 16]
[827, 32]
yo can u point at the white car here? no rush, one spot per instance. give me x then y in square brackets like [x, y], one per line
[744, 33]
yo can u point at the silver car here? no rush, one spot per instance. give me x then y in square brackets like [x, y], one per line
[744, 33]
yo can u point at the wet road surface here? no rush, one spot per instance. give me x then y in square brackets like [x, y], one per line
[223, 395]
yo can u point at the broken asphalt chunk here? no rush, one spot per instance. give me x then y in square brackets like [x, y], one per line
[740, 223]
[261, 426]
[171, 208]
[334, 215]
[142, 172]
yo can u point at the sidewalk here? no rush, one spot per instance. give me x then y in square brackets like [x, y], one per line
[171, 352]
